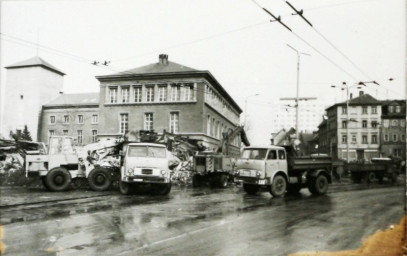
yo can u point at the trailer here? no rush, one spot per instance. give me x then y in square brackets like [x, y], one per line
[279, 170]
[377, 169]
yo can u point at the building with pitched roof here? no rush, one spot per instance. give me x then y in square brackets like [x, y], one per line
[29, 84]
[363, 126]
[75, 115]
[167, 96]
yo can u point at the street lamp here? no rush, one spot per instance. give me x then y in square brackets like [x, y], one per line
[298, 85]
[347, 87]
[245, 106]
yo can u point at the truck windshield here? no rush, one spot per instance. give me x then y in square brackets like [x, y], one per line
[146, 151]
[254, 153]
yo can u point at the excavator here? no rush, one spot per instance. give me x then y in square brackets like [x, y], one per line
[217, 167]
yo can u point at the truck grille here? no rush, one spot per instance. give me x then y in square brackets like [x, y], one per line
[146, 171]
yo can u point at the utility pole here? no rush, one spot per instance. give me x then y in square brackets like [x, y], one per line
[297, 99]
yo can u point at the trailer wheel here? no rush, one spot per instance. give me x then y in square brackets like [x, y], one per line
[58, 179]
[371, 177]
[250, 188]
[126, 188]
[99, 179]
[278, 186]
[196, 181]
[319, 185]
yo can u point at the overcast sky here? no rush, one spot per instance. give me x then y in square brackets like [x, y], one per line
[233, 39]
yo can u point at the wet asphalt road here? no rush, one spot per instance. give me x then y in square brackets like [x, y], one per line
[196, 221]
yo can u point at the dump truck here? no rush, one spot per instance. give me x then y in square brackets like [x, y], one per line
[377, 169]
[279, 169]
[217, 167]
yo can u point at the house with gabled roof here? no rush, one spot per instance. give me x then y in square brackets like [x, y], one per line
[167, 96]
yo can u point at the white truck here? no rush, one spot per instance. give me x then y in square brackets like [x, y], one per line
[279, 170]
[145, 166]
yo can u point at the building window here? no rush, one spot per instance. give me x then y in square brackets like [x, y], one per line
[148, 121]
[208, 125]
[113, 95]
[344, 124]
[174, 122]
[374, 139]
[402, 123]
[374, 110]
[364, 139]
[395, 137]
[137, 94]
[364, 124]
[65, 132]
[51, 133]
[94, 134]
[403, 137]
[386, 123]
[189, 92]
[80, 119]
[125, 94]
[124, 123]
[354, 139]
[175, 93]
[391, 109]
[162, 93]
[66, 119]
[80, 137]
[374, 124]
[398, 109]
[344, 110]
[52, 119]
[150, 93]
[364, 110]
[344, 139]
[213, 127]
[386, 137]
[95, 119]
[394, 122]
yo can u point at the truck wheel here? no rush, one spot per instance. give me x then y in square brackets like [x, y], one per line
[278, 186]
[223, 180]
[371, 177]
[99, 179]
[250, 188]
[58, 179]
[163, 189]
[293, 188]
[319, 185]
[394, 177]
[196, 181]
[126, 188]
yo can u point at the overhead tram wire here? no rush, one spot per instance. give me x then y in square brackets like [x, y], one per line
[303, 40]
[300, 13]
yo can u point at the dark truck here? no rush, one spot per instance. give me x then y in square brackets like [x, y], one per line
[279, 169]
[377, 168]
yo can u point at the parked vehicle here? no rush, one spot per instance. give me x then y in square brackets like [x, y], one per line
[378, 168]
[216, 167]
[280, 170]
[145, 165]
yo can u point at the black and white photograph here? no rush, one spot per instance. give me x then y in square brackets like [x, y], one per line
[203, 127]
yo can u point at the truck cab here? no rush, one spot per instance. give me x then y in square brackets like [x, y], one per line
[145, 164]
[259, 166]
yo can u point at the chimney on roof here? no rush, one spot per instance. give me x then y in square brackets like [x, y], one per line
[350, 96]
[360, 93]
[163, 59]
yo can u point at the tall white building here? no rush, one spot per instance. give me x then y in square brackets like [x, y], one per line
[29, 84]
[310, 115]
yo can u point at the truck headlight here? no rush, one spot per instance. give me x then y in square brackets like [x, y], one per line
[163, 172]
[130, 172]
[258, 173]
